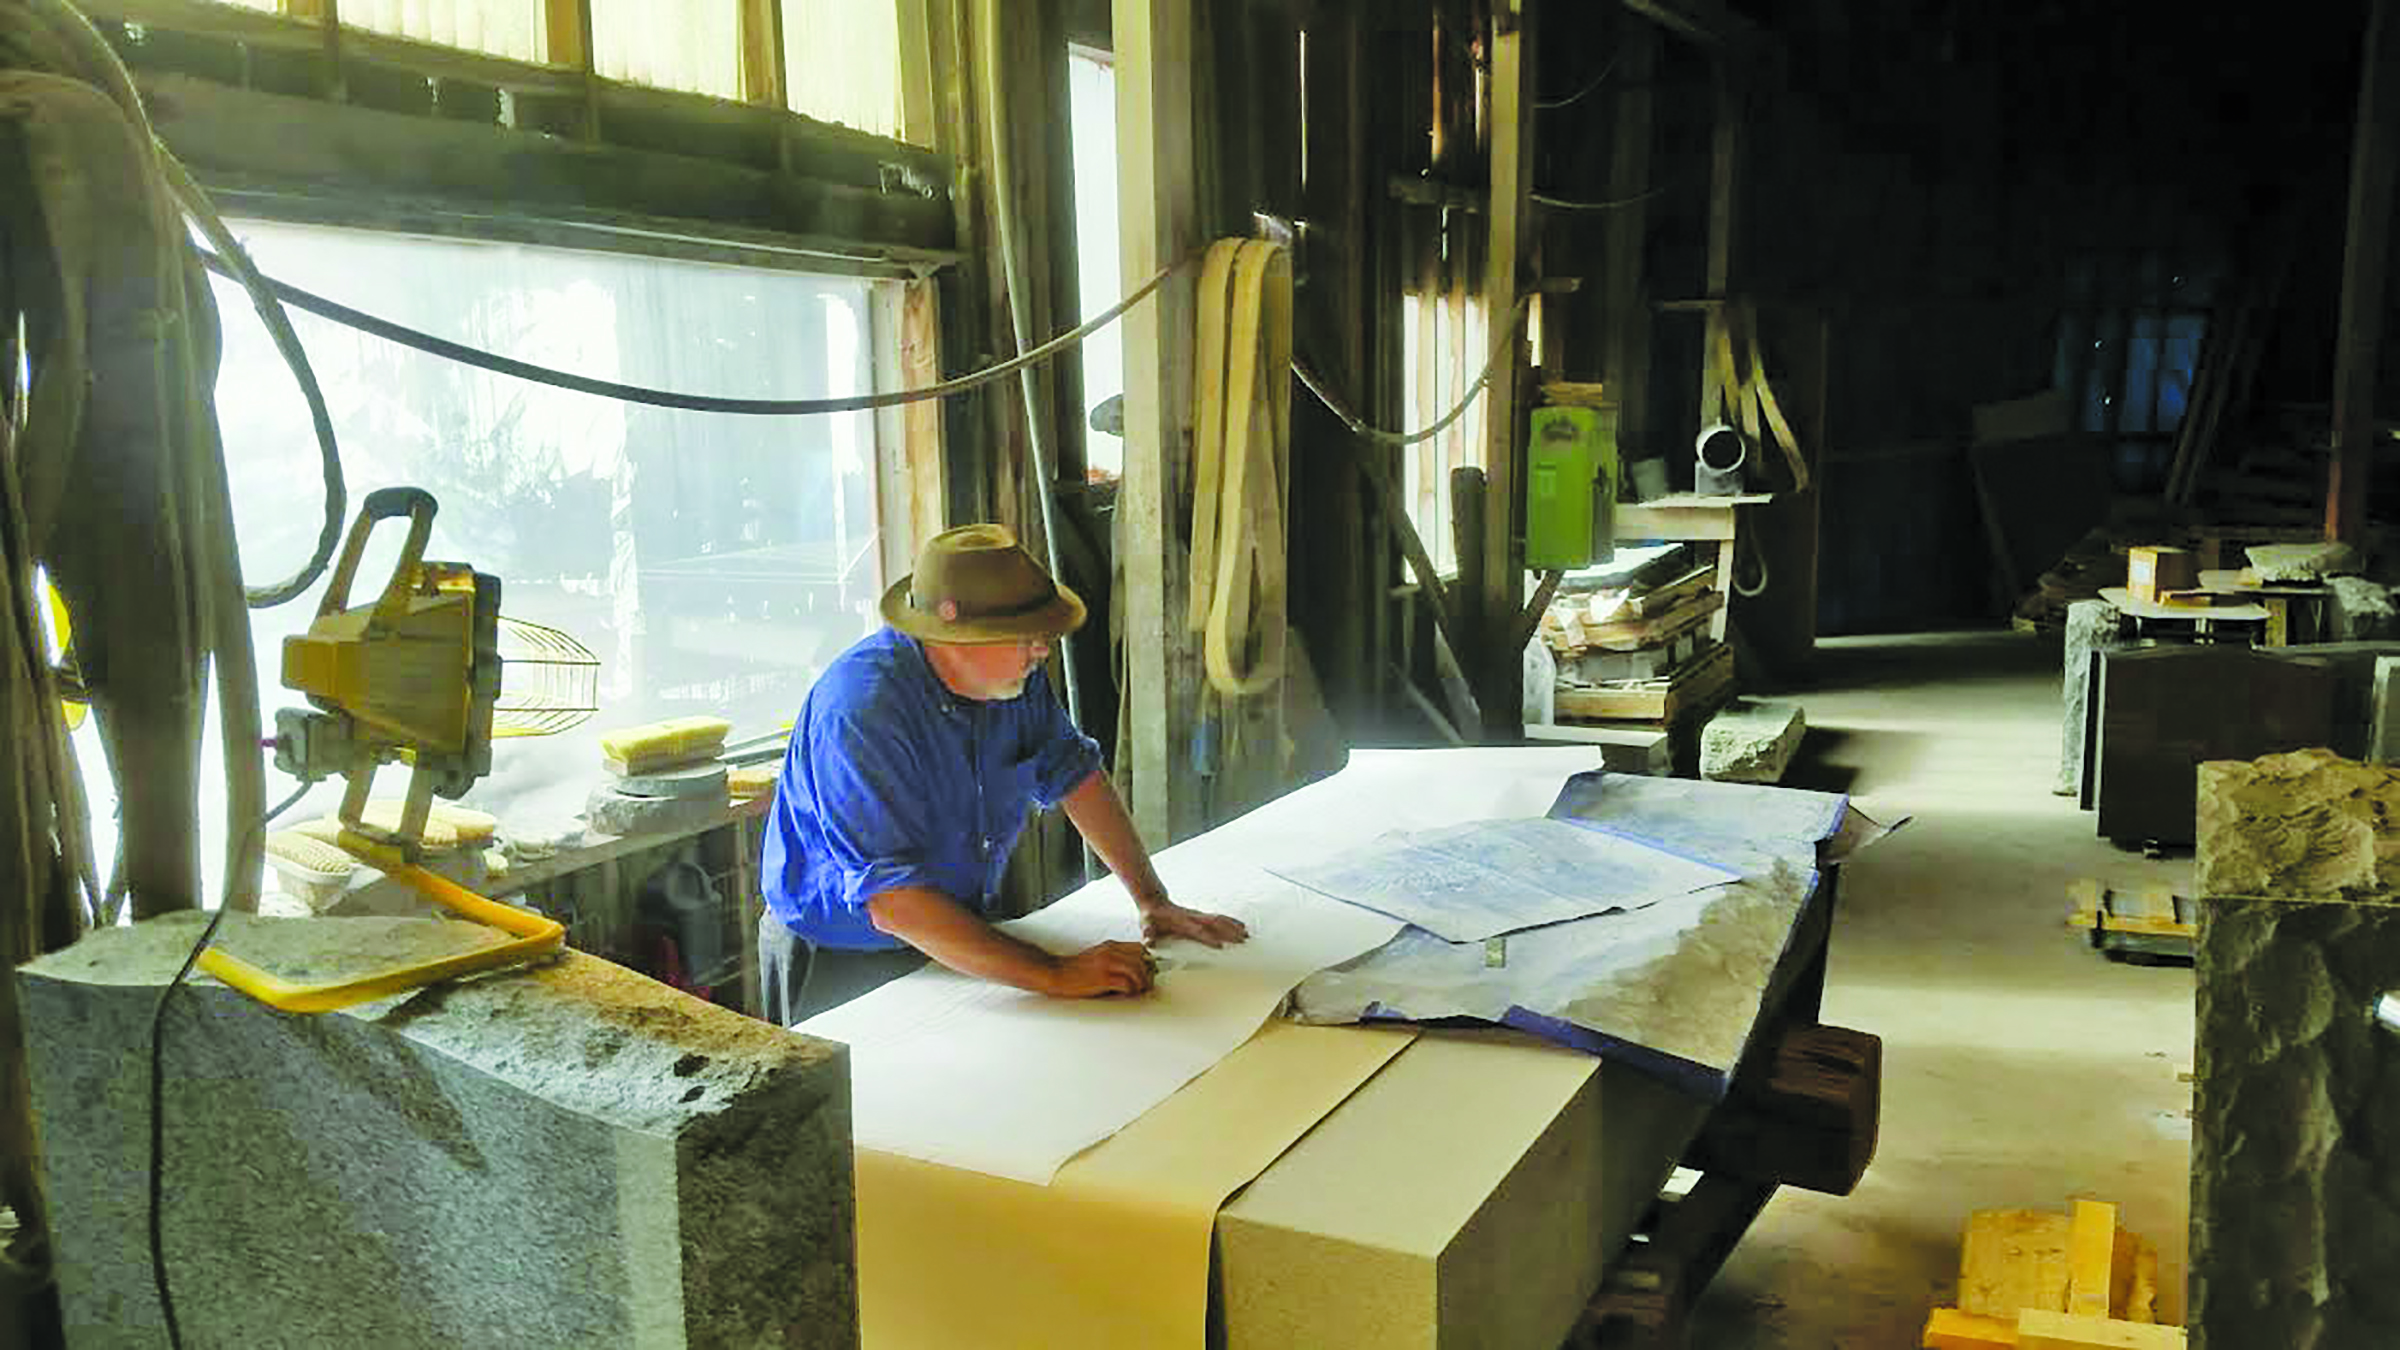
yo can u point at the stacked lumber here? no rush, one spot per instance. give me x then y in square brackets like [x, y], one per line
[2041, 1280]
[1640, 647]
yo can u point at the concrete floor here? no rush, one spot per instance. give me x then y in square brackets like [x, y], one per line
[2021, 1068]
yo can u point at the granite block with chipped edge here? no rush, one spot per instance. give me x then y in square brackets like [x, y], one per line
[2301, 562]
[2358, 610]
[565, 1155]
[1751, 741]
[2296, 1105]
[2092, 626]
[2296, 1126]
[2306, 823]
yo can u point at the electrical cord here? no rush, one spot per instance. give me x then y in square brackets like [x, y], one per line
[1358, 425]
[1548, 104]
[158, 1089]
[665, 398]
[1568, 204]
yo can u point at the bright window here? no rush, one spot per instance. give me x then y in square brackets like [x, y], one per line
[1092, 111]
[510, 28]
[713, 562]
[693, 45]
[841, 61]
[1445, 344]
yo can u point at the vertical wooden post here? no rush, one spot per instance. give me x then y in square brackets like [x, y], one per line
[328, 17]
[1626, 371]
[1159, 223]
[1505, 268]
[764, 78]
[1724, 224]
[2365, 265]
[568, 26]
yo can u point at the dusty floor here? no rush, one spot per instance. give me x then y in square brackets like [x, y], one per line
[2020, 1067]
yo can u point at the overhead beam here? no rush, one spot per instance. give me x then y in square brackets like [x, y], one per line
[1708, 22]
[1159, 221]
[2365, 272]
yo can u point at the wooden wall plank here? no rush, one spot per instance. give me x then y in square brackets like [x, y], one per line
[2365, 269]
[1506, 259]
[1160, 224]
[1625, 368]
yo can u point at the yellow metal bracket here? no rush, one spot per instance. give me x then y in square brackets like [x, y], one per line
[536, 937]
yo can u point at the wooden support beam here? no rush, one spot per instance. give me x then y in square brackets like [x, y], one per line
[1159, 223]
[1507, 267]
[2365, 268]
[567, 28]
[764, 79]
[268, 141]
[1724, 227]
[1625, 370]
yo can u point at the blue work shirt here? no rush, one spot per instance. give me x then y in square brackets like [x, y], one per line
[893, 780]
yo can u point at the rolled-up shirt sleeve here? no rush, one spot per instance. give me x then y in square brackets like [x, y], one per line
[876, 814]
[1062, 755]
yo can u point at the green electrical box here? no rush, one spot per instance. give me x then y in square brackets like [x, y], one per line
[1571, 487]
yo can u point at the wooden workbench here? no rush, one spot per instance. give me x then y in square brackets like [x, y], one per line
[1408, 1217]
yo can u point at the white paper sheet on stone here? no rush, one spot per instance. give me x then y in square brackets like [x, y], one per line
[1465, 883]
[974, 1075]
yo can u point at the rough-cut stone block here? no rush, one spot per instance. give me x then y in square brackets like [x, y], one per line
[2295, 1150]
[609, 811]
[1751, 741]
[2092, 625]
[571, 1155]
[2306, 823]
[2383, 717]
[2358, 610]
[2302, 562]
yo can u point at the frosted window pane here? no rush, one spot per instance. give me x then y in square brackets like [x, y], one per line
[693, 45]
[1092, 106]
[713, 562]
[510, 28]
[841, 62]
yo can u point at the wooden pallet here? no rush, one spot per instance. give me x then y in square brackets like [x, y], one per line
[2040, 1280]
[1695, 686]
[1645, 628]
[2151, 922]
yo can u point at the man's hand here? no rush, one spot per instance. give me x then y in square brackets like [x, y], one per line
[1165, 919]
[1100, 970]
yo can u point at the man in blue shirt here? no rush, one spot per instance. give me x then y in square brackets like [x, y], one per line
[912, 766]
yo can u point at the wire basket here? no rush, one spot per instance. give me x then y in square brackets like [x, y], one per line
[549, 682]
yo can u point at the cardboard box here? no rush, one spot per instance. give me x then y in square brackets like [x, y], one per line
[2151, 573]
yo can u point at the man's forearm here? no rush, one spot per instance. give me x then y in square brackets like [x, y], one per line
[1099, 816]
[956, 936]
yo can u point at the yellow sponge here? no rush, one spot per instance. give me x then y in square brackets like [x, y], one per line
[751, 780]
[656, 745]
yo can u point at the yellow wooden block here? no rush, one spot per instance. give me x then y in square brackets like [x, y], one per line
[2085, 902]
[2133, 1293]
[2012, 1259]
[2041, 1329]
[1951, 1329]
[2091, 1253]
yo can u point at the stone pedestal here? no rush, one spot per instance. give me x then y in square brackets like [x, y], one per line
[571, 1155]
[2296, 1119]
[2092, 625]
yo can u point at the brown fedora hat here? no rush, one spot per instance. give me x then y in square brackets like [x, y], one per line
[977, 584]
